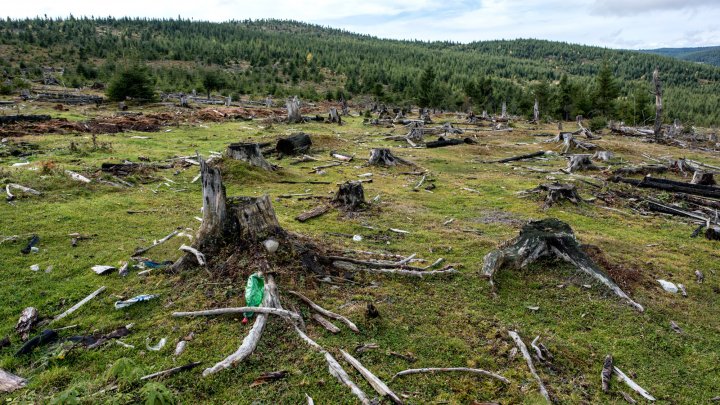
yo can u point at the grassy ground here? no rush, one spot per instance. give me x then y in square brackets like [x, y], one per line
[443, 322]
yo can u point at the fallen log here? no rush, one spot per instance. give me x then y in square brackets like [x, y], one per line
[441, 142]
[672, 186]
[548, 238]
[374, 382]
[24, 189]
[313, 213]
[295, 144]
[520, 157]
[11, 119]
[632, 384]
[325, 323]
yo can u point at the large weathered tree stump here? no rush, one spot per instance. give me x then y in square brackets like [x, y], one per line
[550, 238]
[383, 157]
[334, 117]
[295, 144]
[350, 196]
[293, 111]
[249, 153]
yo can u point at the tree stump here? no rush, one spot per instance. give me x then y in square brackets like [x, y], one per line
[558, 192]
[383, 157]
[603, 155]
[250, 153]
[295, 144]
[550, 238]
[350, 196]
[712, 233]
[334, 117]
[579, 163]
[703, 178]
[293, 111]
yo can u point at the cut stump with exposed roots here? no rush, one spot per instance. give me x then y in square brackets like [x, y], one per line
[384, 157]
[557, 193]
[350, 196]
[550, 238]
[249, 153]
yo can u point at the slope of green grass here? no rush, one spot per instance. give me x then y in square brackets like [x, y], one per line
[443, 322]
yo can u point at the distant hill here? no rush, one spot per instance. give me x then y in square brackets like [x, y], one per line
[709, 54]
[286, 58]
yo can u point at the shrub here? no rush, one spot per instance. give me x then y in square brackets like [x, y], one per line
[598, 123]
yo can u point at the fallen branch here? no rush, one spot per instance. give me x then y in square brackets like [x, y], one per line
[313, 213]
[523, 349]
[171, 371]
[24, 189]
[292, 316]
[373, 380]
[155, 243]
[325, 323]
[415, 273]
[632, 384]
[325, 312]
[79, 304]
[452, 369]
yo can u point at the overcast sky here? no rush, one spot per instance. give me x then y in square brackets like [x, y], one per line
[631, 24]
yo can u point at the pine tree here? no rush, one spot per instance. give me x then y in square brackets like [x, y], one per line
[606, 91]
[134, 82]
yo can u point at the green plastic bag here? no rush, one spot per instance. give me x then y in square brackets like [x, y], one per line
[254, 291]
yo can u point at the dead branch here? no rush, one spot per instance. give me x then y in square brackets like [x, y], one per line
[523, 349]
[291, 316]
[140, 251]
[325, 323]
[451, 369]
[79, 304]
[171, 371]
[632, 384]
[375, 382]
[325, 312]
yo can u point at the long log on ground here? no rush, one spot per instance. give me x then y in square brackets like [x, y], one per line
[451, 369]
[673, 186]
[313, 213]
[171, 371]
[414, 273]
[325, 323]
[325, 312]
[10, 382]
[335, 368]
[250, 341]
[632, 384]
[441, 142]
[520, 157]
[11, 119]
[371, 378]
[523, 349]
[79, 304]
[295, 144]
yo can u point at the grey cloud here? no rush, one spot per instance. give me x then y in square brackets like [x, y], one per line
[634, 7]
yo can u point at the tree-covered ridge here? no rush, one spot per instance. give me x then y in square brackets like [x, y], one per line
[286, 57]
[707, 54]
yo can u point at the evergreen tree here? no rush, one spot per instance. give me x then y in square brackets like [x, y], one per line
[606, 91]
[133, 82]
[428, 94]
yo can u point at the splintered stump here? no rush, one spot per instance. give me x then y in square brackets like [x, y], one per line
[333, 116]
[293, 111]
[384, 157]
[295, 144]
[580, 163]
[549, 238]
[703, 178]
[558, 192]
[350, 196]
[249, 153]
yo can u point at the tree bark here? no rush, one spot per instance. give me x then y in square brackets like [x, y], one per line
[295, 144]
[658, 104]
[350, 196]
[293, 111]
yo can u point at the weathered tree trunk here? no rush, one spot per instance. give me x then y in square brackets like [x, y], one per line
[268, 101]
[503, 114]
[294, 144]
[250, 153]
[350, 196]
[383, 157]
[293, 110]
[448, 142]
[334, 117]
[345, 108]
[536, 112]
[557, 192]
[548, 238]
[658, 104]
